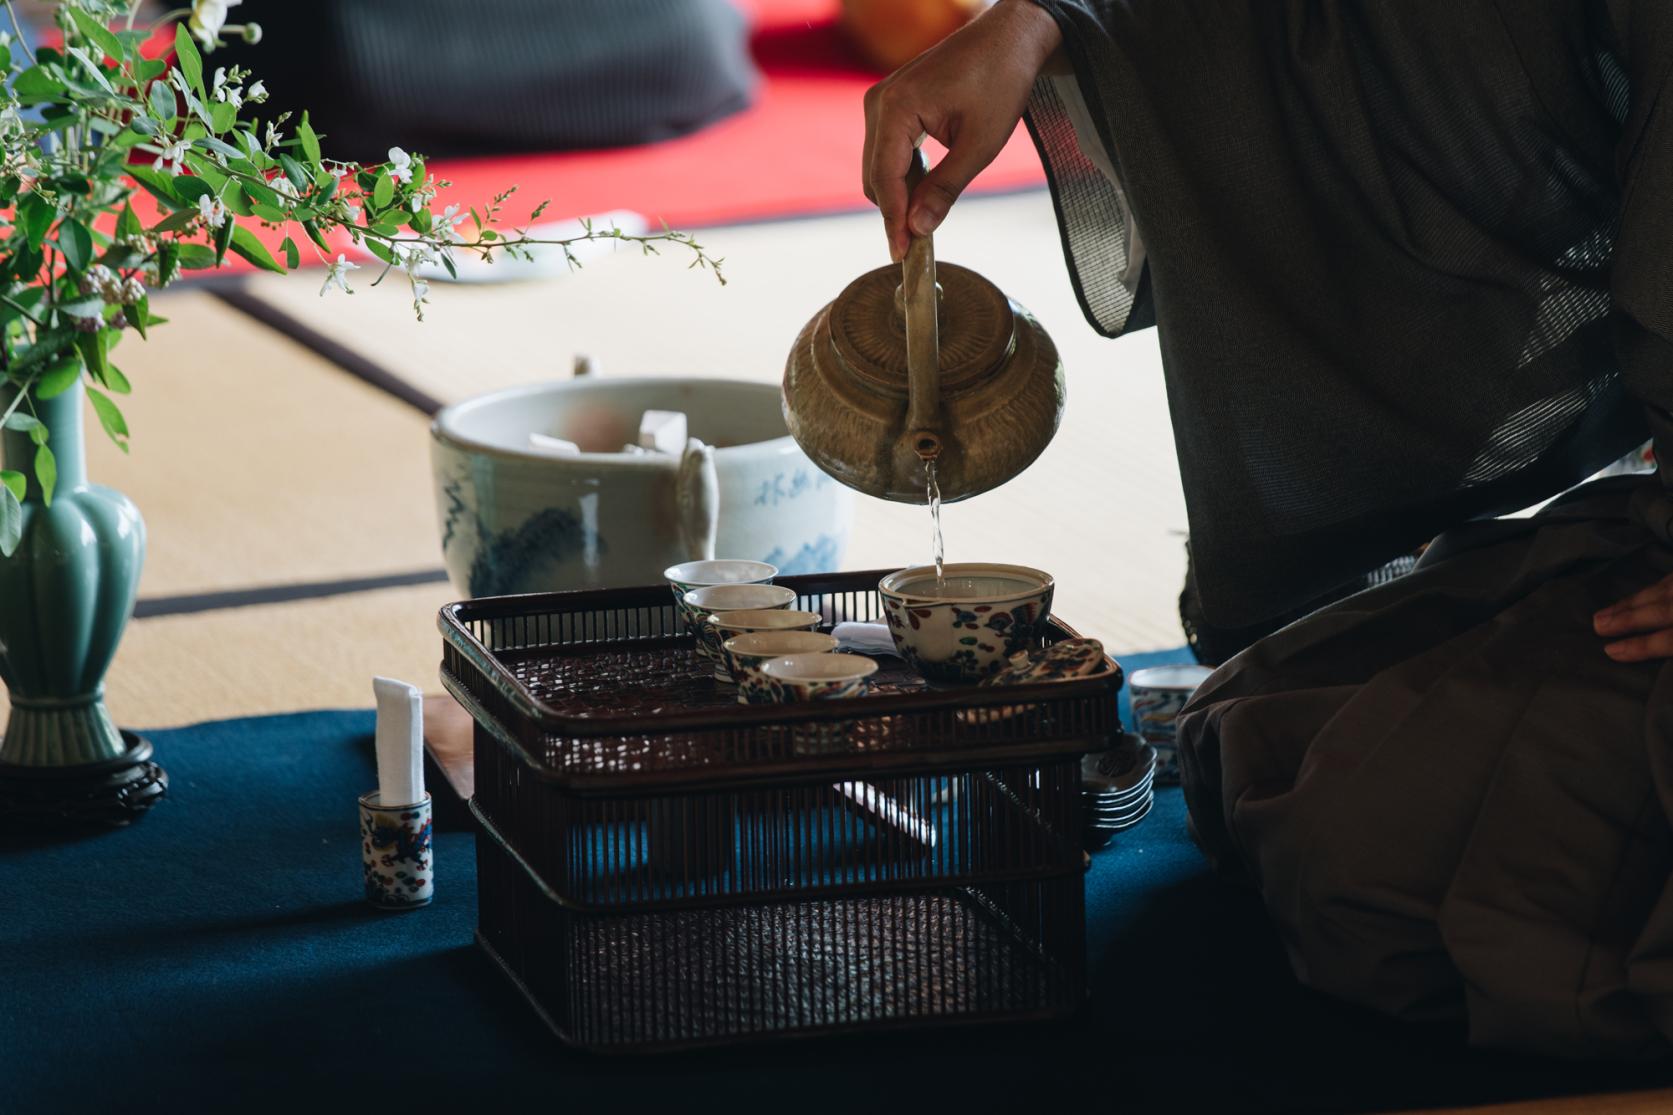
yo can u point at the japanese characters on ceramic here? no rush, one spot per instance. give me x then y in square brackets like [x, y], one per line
[729, 624]
[1157, 694]
[746, 653]
[395, 852]
[701, 603]
[970, 624]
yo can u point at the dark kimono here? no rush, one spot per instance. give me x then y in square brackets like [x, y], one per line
[1412, 267]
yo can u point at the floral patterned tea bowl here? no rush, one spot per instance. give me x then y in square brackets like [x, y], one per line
[728, 624]
[747, 653]
[797, 678]
[701, 603]
[966, 627]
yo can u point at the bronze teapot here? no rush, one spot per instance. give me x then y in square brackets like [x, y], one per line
[920, 365]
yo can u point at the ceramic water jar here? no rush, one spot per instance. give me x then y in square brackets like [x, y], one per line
[517, 516]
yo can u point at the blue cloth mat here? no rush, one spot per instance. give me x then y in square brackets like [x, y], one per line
[217, 956]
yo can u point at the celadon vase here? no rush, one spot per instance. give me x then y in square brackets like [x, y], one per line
[65, 598]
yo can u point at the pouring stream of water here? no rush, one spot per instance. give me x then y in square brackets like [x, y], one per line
[932, 494]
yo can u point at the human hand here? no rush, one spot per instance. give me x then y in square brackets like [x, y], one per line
[968, 92]
[1641, 625]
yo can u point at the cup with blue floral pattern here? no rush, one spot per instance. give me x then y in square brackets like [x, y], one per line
[728, 624]
[746, 653]
[395, 852]
[1158, 693]
[800, 678]
[702, 602]
[966, 625]
[688, 575]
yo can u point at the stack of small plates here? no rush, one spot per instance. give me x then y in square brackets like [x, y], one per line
[1118, 788]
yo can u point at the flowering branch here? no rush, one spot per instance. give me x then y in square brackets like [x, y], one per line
[85, 125]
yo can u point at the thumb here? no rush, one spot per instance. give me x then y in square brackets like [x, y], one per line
[935, 195]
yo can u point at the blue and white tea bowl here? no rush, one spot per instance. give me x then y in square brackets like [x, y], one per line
[516, 517]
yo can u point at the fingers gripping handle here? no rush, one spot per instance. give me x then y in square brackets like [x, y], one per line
[923, 343]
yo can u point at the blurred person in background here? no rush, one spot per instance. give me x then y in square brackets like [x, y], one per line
[1412, 268]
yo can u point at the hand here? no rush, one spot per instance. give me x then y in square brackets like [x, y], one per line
[968, 92]
[1645, 619]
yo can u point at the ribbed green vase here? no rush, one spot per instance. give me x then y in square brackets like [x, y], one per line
[65, 597]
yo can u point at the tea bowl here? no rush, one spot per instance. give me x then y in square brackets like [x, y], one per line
[745, 655]
[1158, 693]
[793, 678]
[728, 624]
[687, 575]
[968, 626]
[701, 603]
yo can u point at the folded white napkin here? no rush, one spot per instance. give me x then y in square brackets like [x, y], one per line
[400, 742]
[867, 638]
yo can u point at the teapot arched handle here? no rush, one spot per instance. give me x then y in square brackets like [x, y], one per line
[697, 495]
[923, 342]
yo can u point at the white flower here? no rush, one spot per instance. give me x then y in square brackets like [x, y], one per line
[231, 94]
[274, 135]
[400, 165]
[337, 172]
[257, 93]
[214, 214]
[284, 187]
[354, 214]
[336, 275]
[447, 224]
[415, 256]
[207, 19]
[170, 157]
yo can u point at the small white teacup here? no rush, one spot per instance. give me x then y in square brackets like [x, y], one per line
[724, 625]
[687, 575]
[745, 655]
[799, 678]
[1158, 693]
[701, 603]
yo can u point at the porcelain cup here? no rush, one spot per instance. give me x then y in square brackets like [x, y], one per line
[687, 575]
[728, 624]
[701, 603]
[967, 626]
[1158, 693]
[800, 678]
[746, 653]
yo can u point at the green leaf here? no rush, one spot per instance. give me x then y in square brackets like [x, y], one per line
[94, 348]
[223, 239]
[139, 316]
[383, 192]
[244, 243]
[236, 202]
[98, 34]
[293, 258]
[11, 520]
[148, 69]
[46, 472]
[127, 224]
[257, 192]
[310, 141]
[114, 379]
[195, 257]
[314, 234]
[175, 221]
[143, 124]
[210, 143]
[268, 213]
[157, 184]
[36, 84]
[23, 423]
[16, 481]
[190, 187]
[5, 58]
[110, 417]
[221, 116]
[293, 170]
[164, 105]
[75, 242]
[60, 377]
[186, 56]
[447, 262]
[168, 261]
[35, 215]
[376, 248]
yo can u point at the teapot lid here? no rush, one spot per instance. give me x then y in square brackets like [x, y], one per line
[977, 329]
